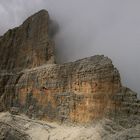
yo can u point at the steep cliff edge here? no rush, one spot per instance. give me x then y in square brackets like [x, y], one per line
[28, 45]
[82, 91]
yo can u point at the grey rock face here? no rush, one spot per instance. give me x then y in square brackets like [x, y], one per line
[81, 92]
[28, 45]
[14, 126]
[8, 132]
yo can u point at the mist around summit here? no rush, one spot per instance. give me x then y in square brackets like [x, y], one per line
[86, 28]
[81, 100]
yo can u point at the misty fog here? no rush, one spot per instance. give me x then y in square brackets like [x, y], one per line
[88, 27]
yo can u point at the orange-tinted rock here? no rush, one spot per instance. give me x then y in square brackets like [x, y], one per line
[80, 91]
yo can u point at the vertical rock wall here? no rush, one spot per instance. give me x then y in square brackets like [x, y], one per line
[28, 45]
[80, 91]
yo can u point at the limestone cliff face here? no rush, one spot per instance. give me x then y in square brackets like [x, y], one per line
[28, 45]
[80, 91]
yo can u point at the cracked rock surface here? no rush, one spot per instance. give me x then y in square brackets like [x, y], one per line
[81, 100]
[32, 83]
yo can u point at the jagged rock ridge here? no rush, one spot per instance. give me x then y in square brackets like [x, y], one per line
[80, 91]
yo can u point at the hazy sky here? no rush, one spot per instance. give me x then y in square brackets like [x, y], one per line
[88, 27]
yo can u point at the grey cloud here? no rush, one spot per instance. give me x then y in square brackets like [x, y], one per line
[88, 27]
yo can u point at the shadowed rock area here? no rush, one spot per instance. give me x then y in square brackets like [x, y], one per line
[81, 92]
[28, 45]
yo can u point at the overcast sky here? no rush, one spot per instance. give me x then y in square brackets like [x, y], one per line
[88, 27]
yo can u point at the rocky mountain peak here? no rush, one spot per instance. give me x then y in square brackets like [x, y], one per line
[28, 45]
[81, 92]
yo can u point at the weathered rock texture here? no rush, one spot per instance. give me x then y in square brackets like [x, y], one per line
[28, 45]
[80, 91]
[104, 129]
[8, 132]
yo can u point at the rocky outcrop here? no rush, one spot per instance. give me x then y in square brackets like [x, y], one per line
[24, 47]
[104, 129]
[10, 133]
[28, 45]
[81, 91]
